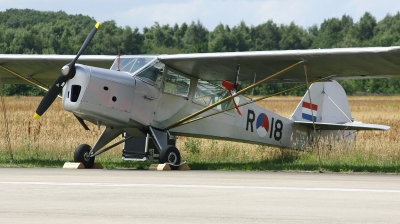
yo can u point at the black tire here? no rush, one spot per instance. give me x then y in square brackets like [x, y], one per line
[171, 155]
[81, 155]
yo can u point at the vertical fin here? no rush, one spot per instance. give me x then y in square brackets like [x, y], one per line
[329, 104]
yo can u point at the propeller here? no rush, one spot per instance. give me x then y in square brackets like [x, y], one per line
[67, 73]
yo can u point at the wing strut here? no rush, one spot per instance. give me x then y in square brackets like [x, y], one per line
[178, 123]
[235, 87]
[253, 101]
[22, 77]
[252, 91]
[312, 118]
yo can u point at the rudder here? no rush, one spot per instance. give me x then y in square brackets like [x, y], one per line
[328, 104]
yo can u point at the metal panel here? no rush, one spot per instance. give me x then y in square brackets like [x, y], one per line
[168, 106]
[109, 94]
[145, 102]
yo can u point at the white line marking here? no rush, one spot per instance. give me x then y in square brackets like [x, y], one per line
[203, 186]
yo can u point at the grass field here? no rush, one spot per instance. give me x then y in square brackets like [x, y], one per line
[51, 141]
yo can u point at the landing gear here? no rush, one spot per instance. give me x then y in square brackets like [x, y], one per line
[163, 148]
[171, 155]
[81, 155]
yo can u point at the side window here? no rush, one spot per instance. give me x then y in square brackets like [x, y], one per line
[153, 72]
[176, 84]
[208, 93]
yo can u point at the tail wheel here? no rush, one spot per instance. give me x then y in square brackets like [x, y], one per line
[171, 155]
[81, 155]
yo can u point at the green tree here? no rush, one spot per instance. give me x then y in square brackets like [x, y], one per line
[22, 90]
[35, 32]
[241, 37]
[265, 36]
[132, 41]
[387, 31]
[161, 39]
[3, 43]
[293, 37]
[220, 40]
[336, 32]
[196, 38]
[365, 27]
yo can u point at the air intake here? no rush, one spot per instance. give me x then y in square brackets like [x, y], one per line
[75, 91]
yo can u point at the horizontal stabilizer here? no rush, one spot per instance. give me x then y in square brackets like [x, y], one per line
[343, 126]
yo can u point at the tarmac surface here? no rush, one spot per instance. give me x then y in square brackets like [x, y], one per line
[40, 195]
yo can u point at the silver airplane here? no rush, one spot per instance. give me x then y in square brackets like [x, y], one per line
[151, 99]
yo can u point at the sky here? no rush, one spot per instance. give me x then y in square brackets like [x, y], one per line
[210, 13]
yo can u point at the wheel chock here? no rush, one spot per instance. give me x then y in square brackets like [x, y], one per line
[153, 167]
[97, 166]
[184, 167]
[73, 166]
[164, 166]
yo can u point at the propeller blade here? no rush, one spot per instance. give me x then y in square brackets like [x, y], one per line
[51, 95]
[86, 43]
[67, 73]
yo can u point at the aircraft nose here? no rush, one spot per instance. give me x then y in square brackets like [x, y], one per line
[76, 87]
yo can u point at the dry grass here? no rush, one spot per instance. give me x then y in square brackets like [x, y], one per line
[57, 133]
[54, 136]
[372, 148]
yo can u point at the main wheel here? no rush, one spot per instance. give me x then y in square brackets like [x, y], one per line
[171, 155]
[81, 155]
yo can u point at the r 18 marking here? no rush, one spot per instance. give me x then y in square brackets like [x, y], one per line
[275, 129]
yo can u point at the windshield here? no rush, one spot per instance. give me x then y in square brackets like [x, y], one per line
[131, 64]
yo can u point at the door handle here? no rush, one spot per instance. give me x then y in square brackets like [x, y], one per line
[149, 97]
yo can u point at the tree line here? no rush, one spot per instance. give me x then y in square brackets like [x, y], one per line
[25, 31]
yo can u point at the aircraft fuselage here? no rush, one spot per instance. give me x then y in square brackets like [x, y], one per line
[157, 96]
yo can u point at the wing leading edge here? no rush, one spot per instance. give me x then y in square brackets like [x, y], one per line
[344, 63]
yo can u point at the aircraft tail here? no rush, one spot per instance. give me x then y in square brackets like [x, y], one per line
[327, 106]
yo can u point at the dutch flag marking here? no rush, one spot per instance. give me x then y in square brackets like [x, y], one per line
[309, 111]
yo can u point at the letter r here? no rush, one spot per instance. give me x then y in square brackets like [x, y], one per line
[251, 116]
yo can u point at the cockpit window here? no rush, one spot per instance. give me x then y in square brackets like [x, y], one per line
[131, 63]
[153, 72]
[176, 84]
[208, 93]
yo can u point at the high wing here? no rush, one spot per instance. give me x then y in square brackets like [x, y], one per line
[43, 69]
[343, 63]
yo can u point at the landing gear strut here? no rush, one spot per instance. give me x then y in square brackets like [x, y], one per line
[81, 155]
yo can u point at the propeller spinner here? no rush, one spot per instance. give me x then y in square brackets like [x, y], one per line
[67, 73]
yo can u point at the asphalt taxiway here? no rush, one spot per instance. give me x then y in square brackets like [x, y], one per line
[36, 195]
